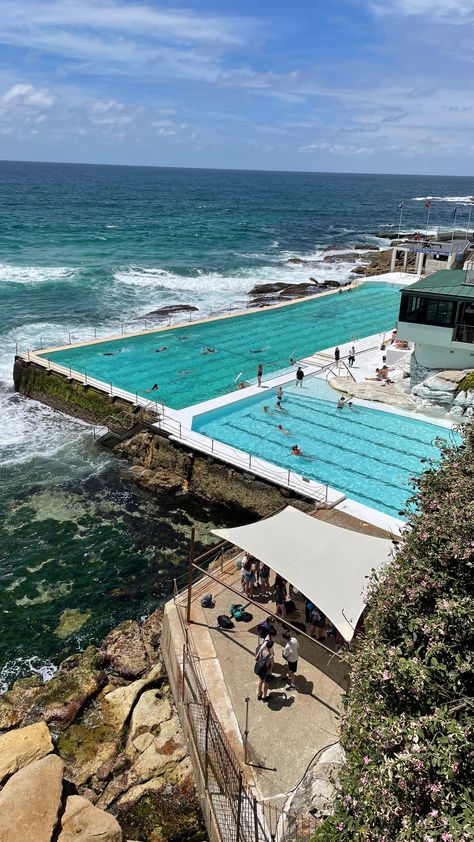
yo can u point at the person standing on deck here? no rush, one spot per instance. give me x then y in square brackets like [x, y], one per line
[352, 356]
[290, 654]
[263, 668]
[337, 355]
[259, 374]
[299, 376]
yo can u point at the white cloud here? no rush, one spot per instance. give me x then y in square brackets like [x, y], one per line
[27, 95]
[450, 11]
[167, 128]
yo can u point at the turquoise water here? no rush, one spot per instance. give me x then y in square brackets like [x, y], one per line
[186, 370]
[368, 454]
[88, 247]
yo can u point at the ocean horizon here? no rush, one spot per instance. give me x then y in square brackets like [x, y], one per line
[88, 247]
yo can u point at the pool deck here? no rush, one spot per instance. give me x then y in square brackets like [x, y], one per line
[178, 423]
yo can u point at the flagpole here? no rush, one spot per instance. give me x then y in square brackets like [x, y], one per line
[400, 220]
[428, 219]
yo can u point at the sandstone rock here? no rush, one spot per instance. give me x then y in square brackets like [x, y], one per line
[151, 634]
[87, 749]
[454, 376]
[59, 700]
[123, 649]
[151, 710]
[117, 705]
[437, 383]
[30, 802]
[23, 746]
[82, 821]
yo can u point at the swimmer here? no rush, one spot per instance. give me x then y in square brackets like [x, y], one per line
[266, 409]
[154, 388]
[209, 351]
[283, 430]
[341, 402]
[292, 361]
[181, 338]
[186, 371]
[257, 351]
[279, 393]
[296, 451]
[158, 350]
[242, 384]
[280, 407]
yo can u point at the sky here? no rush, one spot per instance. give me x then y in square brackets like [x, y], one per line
[313, 85]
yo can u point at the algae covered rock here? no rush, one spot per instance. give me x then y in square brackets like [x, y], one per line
[86, 750]
[165, 817]
[58, 700]
[124, 650]
[30, 802]
[23, 746]
[83, 822]
[117, 705]
[70, 621]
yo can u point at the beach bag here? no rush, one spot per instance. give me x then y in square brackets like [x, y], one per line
[207, 601]
[264, 628]
[224, 622]
[246, 617]
[290, 606]
[236, 611]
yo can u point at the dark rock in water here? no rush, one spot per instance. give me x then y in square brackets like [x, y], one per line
[366, 247]
[124, 650]
[297, 261]
[342, 255]
[263, 289]
[359, 270]
[59, 700]
[170, 310]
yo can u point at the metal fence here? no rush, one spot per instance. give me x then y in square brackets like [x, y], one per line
[237, 814]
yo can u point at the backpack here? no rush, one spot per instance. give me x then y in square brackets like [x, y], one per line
[290, 606]
[236, 611]
[224, 622]
[246, 617]
[207, 601]
[261, 666]
[264, 628]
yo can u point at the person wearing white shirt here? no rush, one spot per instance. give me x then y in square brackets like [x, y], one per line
[290, 654]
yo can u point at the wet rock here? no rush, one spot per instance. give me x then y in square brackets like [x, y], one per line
[124, 651]
[82, 822]
[170, 310]
[23, 746]
[59, 700]
[117, 705]
[86, 749]
[71, 620]
[297, 261]
[265, 289]
[163, 814]
[30, 802]
[342, 255]
[151, 634]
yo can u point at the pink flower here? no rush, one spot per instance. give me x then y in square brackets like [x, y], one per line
[340, 826]
[385, 675]
[419, 765]
[455, 767]
[435, 788]
[446, 837]
[366, 760]
[434, 813]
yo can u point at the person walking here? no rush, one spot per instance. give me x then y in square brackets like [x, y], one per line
[352, 356]
[290, 654]
[265, 579]
[264, 660]
[337, 355]
[299, 376]
[259, 374]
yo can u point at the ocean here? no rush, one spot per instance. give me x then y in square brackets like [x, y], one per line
[88, 248]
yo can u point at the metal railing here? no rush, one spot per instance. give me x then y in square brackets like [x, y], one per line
[238, 815]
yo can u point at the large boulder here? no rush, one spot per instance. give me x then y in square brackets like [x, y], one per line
[87, 750]
[151, 634]
[151, 710]
[58, 700]
[124, 651]
[82, 822]
[30, 802]
[117, 705]
[23, 746]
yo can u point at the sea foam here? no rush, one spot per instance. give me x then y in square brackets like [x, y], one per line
[33, 274]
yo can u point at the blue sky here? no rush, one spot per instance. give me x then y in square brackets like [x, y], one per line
[338, 85]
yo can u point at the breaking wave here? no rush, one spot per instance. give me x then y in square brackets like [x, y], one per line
[33, 274]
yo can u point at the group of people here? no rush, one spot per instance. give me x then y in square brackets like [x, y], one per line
[265, 660]
[382, 375]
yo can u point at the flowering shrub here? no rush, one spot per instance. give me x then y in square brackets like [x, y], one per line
[407, 727]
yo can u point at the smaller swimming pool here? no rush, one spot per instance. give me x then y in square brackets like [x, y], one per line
[367, 454]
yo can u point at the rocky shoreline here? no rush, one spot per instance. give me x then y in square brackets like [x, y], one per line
[98, 751]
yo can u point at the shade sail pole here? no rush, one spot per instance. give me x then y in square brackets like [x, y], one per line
[190, 573]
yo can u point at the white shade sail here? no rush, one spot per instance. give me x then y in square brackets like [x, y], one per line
[328, 564]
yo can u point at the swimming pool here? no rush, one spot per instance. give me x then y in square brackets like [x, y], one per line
[368, 454]
[198, 362]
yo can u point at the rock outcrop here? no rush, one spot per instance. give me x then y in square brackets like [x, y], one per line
[443, 391]
[82, 822]
[21, 747]
[31, 800]
[123, 650]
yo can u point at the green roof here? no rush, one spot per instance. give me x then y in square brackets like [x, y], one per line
[447, 282]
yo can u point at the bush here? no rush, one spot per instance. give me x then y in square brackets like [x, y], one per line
[407, 726]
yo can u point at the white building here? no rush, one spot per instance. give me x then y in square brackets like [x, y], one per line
[437, 314]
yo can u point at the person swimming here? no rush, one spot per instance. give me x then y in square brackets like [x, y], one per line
[154, 388]
[209, 351]
[296, 451]
[280, 407]
[158, 350]
[341, 402]
[280, 393]
[283, 430]
[266, 409]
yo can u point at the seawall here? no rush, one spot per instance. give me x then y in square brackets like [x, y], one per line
[157, 463]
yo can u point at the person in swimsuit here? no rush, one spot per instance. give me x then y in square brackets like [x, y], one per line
[283, 430]
[259, 374]
[154, 388]
[279, 393]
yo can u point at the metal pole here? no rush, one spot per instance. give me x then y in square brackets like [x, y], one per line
[190, 573]
[239, 809]
[206, 750]
[255, 819]
[95, 333]
[468, 223]
[69, 338]
[246, 732]
[182, 674]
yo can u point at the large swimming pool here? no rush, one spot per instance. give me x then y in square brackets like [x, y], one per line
[368, 454]
[198, 362]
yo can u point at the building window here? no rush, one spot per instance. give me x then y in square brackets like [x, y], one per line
[430, 311]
